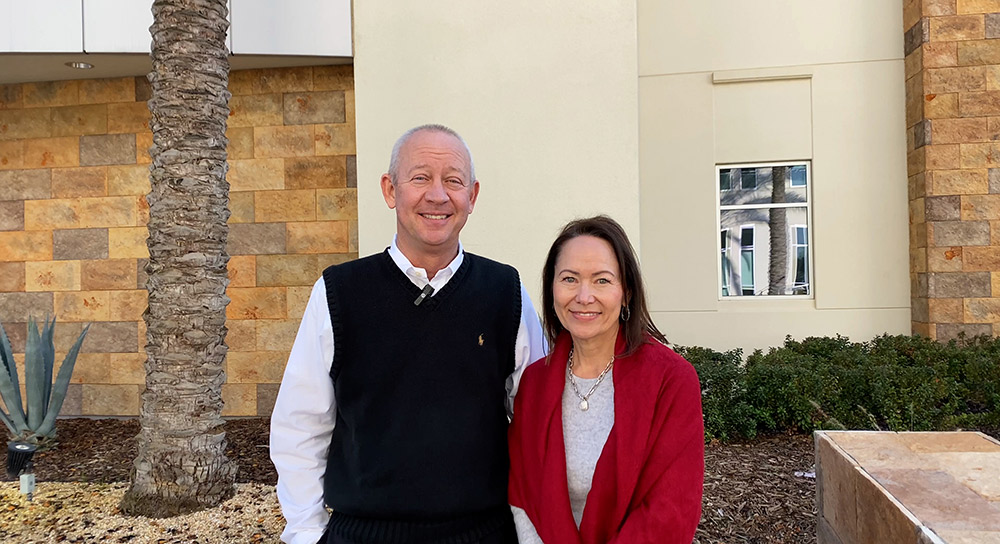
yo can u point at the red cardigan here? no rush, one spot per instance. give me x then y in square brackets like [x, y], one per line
[648, 480]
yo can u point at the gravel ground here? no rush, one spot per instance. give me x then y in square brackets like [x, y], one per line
[752, 495]
[79, 512]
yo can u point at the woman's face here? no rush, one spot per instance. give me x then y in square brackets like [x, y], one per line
[587, 290]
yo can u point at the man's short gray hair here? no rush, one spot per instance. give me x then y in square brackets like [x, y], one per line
[394, 158]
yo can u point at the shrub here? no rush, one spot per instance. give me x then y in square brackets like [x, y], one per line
[725, 406]
[891, 382]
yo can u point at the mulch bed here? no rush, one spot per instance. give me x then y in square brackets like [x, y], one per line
[752, 493]
[102, 451]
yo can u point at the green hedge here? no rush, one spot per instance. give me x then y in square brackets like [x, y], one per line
[897, 383]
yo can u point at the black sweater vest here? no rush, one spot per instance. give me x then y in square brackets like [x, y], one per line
[421, 431]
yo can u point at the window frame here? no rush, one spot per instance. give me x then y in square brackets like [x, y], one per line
[810, 262]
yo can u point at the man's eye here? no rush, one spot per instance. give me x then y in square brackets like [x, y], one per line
[419, 180]
[454, 183]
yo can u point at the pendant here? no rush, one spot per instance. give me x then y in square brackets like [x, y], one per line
[584, 405]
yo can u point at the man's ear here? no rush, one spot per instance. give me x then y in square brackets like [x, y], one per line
[475, 195]
[388, 191]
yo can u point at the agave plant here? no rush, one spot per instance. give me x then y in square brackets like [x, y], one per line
[35, 420]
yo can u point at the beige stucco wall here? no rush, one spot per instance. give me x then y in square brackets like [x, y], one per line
[544, 93]
[566, 110]
[715, 79]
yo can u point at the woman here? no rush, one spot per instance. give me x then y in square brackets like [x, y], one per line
[607, 440]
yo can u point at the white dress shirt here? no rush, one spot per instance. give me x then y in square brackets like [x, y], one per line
[305, 411]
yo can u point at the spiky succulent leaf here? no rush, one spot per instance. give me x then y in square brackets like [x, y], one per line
[6, 352]
[48, 426]
[49, 356]
[10, 424]
[9, 387]
[34, 376]
[7, 356]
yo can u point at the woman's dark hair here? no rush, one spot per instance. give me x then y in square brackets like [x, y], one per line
[639, 324]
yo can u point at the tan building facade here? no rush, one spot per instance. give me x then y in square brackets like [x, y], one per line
[670, 116]
[74, 172]
[953, 124]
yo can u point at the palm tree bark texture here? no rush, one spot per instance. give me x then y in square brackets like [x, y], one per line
[777, 270]
[181, 464]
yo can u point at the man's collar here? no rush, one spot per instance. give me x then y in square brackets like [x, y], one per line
[406, 266]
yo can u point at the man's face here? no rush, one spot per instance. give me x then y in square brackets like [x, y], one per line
[433, 194]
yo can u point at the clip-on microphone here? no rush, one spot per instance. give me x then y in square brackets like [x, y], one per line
[424, 293]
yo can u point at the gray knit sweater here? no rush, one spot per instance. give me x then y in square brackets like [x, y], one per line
[584, 434]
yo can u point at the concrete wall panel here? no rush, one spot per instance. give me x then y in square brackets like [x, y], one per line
[545, 95]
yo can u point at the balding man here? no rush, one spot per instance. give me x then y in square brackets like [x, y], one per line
[393, 408]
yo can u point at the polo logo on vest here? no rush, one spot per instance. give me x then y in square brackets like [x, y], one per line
[480, 339]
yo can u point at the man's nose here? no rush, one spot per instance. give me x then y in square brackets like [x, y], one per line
[436, 191]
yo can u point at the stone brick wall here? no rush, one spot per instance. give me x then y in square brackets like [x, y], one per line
[73, 178]
[953, 126]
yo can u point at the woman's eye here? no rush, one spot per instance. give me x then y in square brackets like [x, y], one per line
[569, 279]
[604, 281]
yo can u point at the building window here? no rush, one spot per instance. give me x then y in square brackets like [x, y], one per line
[746, 260]
[770, 214]
[797, 175]
[725, 180]
[800, 254]
[727, 267]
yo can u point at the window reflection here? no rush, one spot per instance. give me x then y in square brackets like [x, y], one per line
[764, 230]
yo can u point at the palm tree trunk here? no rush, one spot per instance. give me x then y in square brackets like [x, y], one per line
[777, 272]
[181, 464]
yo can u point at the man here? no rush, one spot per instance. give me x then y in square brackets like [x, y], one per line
[392, 411]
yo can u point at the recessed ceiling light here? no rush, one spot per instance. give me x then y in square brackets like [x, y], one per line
[80, 65]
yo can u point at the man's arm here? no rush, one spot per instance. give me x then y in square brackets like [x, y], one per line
[302, 423]
[529, 347]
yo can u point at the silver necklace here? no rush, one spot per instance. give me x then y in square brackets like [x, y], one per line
[584, 405]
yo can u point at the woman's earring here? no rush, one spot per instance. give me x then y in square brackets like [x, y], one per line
[625, 313]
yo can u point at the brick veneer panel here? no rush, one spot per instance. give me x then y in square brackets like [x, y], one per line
[267, 393]
[109, 274]
[313, 108]
[83, 181]
[74, 172]
[25, 184]
[952, 69]
[12, 215]
[52, 276]
[17, 307]
[107, 149]
[11, 277]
